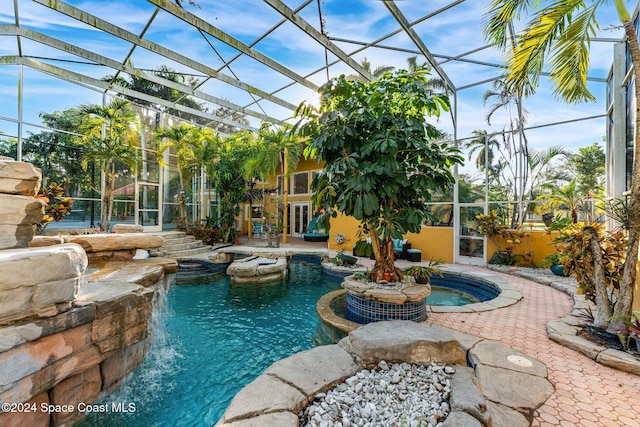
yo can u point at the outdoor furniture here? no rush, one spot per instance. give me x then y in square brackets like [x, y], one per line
[401, 247]
[414, 255]
[315, 234]
[257, 230]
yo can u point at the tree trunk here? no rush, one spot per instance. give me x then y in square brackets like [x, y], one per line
[603, 304]
[385, 258]
[182, 203]
[627, 284]
[105, 221]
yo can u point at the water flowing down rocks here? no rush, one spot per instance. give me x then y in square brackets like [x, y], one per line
[400, 394]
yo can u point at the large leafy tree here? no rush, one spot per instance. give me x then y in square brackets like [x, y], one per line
[229, 175]
[111, 136]
[589, 166]
[383, 160]
[557, 36]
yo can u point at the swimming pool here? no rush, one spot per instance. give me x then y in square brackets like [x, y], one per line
[454, 290]
[216, 338]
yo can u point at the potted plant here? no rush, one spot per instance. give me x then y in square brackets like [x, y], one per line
[554, 262]
[343, 259]
[423, 274]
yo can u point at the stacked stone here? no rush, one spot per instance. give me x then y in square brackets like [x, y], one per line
[19, 210]
[64, 338]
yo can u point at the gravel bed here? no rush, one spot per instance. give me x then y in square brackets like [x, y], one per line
[543, 272]
[399, 394]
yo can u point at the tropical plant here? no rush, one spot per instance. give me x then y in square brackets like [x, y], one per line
[596, 258]
[487, 146]
[194, 148]
[383, 161]
[277, 152]
[228, 173]
[559, 35]
[505, 239]
[110, 135]
[57, 206]
[589, 166]
[423, 274]
[567, 198]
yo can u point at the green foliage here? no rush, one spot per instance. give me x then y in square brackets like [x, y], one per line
[577, 259]
[57, 205]
[504, 238]
[118, 143]
[206, 231]
[589, 166]
[363, 248]
[228, 173]
[422, 274]
[383, 161]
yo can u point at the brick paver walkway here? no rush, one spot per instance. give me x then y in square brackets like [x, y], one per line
[587, 394]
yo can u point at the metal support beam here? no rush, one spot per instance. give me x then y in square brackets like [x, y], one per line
[6, 29]
[94, 21]
[282, 8]
[74, 77]
[399, 17]
[200, 24]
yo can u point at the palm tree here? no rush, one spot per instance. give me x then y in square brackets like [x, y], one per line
[559, 36]
[111, 133]
[185, 140]
[279, 152]
[486, 145]
[567, 197]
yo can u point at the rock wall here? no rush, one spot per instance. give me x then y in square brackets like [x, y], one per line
[19, 210]
[70, 356]
[65, 338]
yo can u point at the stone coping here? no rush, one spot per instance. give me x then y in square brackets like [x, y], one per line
[565, 330]
[501, 386]
[508, 296]
[257, 269]
[268, 252]
[369, 291]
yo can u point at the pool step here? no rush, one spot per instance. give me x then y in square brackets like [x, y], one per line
[179, 245]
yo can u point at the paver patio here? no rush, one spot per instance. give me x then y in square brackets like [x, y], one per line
[587, 394]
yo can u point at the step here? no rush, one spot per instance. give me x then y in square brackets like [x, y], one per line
[189, 252]
[178, 240]
[180, 246]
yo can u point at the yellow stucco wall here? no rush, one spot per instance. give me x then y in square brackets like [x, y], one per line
[536, 244]
[434, 242]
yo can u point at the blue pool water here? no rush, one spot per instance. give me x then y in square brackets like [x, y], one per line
[452, 290]
[216, 338]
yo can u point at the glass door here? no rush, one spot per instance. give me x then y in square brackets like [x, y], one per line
[300, 219]
[148, 197]
[148, 206]
[471, 244]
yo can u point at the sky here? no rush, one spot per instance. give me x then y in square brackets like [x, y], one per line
[454, 31]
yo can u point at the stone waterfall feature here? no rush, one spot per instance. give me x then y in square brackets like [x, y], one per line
[65, 338]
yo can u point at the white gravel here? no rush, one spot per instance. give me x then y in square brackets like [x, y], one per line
[390, 395]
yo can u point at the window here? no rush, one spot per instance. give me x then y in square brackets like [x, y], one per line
[300, 183]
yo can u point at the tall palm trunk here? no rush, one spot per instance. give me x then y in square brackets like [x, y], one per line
[627, 284]
[106, 208]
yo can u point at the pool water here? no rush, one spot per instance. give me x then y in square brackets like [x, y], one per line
[450, 297]
[453, 290]
[214, 339]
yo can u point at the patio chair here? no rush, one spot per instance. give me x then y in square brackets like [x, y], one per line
[401, 247]
[257, 230]
[315, 234]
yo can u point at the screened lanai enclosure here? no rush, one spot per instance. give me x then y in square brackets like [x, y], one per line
[232, 66]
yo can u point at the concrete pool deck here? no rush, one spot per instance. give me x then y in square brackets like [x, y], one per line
[587, 393]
